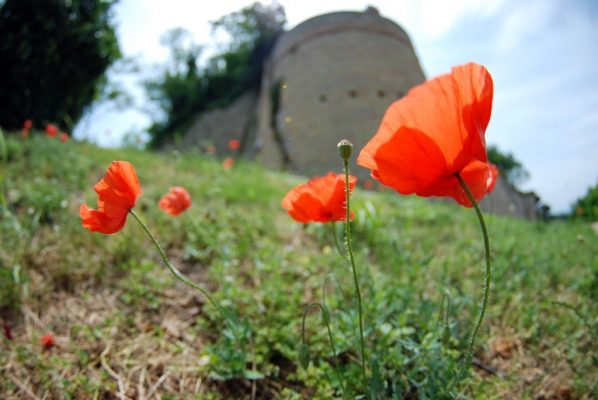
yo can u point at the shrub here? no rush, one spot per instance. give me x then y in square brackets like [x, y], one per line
[54, 57]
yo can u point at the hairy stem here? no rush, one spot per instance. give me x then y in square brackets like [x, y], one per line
[352, 260]
[488, 277]
[180, 276]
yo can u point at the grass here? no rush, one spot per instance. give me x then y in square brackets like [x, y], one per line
[125, 329]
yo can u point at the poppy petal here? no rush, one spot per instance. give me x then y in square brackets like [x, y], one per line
[321, 199]
[97, 221]
[433, 133]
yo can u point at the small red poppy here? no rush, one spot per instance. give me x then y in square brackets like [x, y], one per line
[234, 144]
[47, 340]
[117, 193]
[51, 130]
[433, 133]
[321, 199]
[64, 137]
[228, 163]
[28, 124]
[176, 201]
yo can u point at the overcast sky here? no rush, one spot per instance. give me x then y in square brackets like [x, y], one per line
[542, 54]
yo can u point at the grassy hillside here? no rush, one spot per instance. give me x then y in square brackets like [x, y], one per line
[125, 329]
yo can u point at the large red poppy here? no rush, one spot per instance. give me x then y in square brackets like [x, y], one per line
[433, 133]
[175, 201]
[117, 193]
[322, 199]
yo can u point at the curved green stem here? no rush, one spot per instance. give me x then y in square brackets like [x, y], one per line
[330, 338]
[337, 243]
[352, 260]
[179, 275]
[488, 277]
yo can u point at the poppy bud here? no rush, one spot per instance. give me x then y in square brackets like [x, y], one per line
[304, 357]
[345, 148]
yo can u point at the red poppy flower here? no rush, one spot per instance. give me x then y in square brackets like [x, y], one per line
[322, 199]
[28, 124]
[64, 137]
[51, 130]
[433, 133]
[234, 144]
[176, 201]
[117, 193]
[228, 163]
[47, 340]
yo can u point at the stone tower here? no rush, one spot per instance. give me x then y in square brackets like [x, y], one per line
[329, 78]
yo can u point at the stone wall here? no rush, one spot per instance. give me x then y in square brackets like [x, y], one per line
[218, 126]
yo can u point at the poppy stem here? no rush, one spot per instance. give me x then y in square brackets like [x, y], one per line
[326, 318]
[488, 277]
[352, 260]
[180, 276]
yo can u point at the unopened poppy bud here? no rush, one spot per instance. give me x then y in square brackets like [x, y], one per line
[304, 357]
[345, 148]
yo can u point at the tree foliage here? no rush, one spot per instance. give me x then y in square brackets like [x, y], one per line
[182, 90]
[54, 57]
[586, 207]
[510, 168]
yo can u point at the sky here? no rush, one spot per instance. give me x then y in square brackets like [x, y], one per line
[542, 54]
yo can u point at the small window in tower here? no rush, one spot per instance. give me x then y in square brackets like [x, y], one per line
[381, 93]
[323, 98]
[353, 93]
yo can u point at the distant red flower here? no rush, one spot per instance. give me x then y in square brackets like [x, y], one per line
[51, 130]
[433, 133]
[7, 331]
[117, 193]
[228, 163]
[176, 201]
[47, 340]
[28, 124]
[234, 144]
[64, 137]
[211, 149]
[368, 185]
[321, 199]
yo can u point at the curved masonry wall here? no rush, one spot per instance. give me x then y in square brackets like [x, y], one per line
[338, 74]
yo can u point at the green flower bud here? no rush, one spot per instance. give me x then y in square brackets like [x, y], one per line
[345, 148]
[304, 357]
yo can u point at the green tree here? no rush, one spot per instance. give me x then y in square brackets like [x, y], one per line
[510, 168]
[54, 57]
[182, 91]
[586, 207]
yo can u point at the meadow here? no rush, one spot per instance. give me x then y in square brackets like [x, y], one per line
[124, 328]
